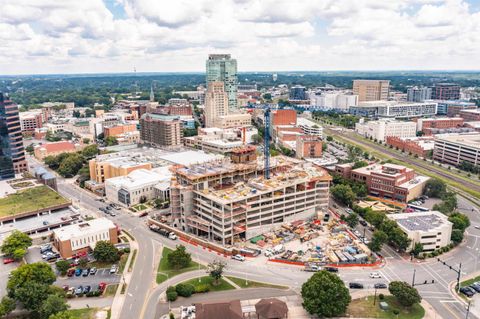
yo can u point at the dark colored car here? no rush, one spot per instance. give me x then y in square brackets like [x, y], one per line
[85, 272]
[78, 272]
[86, 289]
[469, 292]
[355, 285]
[71, 272]
[363, 223]
[331, 269]
[380, 286]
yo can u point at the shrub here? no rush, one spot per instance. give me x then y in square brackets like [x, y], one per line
[202, 288]
[172, 295]
[381, 296]
[126, 250]
[396, 312]
[185, 290]
[90, 294]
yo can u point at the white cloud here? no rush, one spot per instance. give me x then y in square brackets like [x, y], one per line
[176, 35]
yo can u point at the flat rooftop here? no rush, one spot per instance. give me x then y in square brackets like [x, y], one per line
[469, 139]
[84, 228]
[188, 158]
[420, 221]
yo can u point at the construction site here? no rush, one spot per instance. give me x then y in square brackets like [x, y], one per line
[236, 198]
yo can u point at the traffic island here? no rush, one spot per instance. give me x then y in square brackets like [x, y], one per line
[165, 271]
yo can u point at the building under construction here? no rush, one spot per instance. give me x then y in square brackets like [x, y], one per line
[229, 200]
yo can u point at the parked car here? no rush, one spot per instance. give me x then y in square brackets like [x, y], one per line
[113, 269]
[113, 214]
[469, 292]
[172, 236]
[355, 285]
[71, 272]
[363, 223]
[79, 290]
[102, 286]
[380, 286]
[238, 257]
[108, 208]
[86, 289]
[78, 272]
[85, 272]
[93, 270]
[475, 287]
[375, 275]
[44, 248]
[331, 269]
[8, 260]
[65, 287]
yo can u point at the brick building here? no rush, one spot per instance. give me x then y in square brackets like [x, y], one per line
[308, 146]
[390, 181]
[161, 130]
[284, 117]
[82, 237]
[446, 91]
[29, 121]
[471, 115]
[426, 125]
[415, 145]
[118, 130]
[55, 148]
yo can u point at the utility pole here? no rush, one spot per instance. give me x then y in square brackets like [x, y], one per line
[413, 279]
[420, 284]
[468, 309]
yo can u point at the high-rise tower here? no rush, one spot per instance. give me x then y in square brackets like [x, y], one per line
[222, 68]
[12, 153]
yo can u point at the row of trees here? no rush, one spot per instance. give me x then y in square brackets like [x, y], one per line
[325, 295]
[346, 191]
[71, 164]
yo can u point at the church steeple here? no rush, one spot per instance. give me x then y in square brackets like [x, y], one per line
[152, 96]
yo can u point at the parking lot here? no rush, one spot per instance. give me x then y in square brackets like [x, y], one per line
[102, 275]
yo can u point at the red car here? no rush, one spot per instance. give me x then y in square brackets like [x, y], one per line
[8, 260]
[102, 286]
[70, 272]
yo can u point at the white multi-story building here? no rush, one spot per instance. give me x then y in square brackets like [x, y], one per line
[139, 186]
[82, 237]
[394, 109]
[380, 129]
[431, 229]
[309, 127]
[339, 100]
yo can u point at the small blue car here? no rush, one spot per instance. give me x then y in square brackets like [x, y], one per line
[78, 272]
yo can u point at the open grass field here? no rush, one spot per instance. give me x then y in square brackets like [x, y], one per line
[165, 271]
[30, 199]
[207, 280]
[364, 308]
[84, 313]
[253, 284]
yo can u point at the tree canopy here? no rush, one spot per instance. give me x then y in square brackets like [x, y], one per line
[378, 239]
[16, 244]
[179, 258]
[405, 294]
[435, 188]
[325, 295]
[215, 269]
[343, 194]
[105, 251]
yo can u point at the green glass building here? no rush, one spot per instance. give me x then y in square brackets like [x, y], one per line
[222, 68]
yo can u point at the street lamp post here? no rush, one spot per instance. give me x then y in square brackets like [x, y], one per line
[375, 296]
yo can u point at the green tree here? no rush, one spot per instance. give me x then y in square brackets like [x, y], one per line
[399, 239]
[29, 149]
[62, 315]
[7, 305]
[325, 295]
[215, 270]
[417, 249]
[90, 151]
[52, 305]
[32, 296]
[62, 266]
[179, 258]
[105, 251]
[86, 140]
[435, 188]
[52, 161]
[405, 294]
[457, 236]
[110, 141]
[16, 244]
[378, 239]
[459, 221]
[352, 220]
[70, 166]
[329, 138]
[375, 218]
[359, 164]
[343, 194]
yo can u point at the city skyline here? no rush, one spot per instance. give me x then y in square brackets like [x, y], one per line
[116, 36]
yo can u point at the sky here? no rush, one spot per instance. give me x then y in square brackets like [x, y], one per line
[103, 36]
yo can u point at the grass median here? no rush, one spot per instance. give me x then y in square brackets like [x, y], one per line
[207, 280]
[165, 271]
[242, 283]
[364, 308]
[83, 313]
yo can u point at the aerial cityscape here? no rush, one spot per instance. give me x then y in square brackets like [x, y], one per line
[239, 159]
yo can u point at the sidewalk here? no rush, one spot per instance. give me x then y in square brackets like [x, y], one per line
[119, 298]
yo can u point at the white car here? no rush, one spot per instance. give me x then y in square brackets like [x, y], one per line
[238, 257]
[113, 269]
[375, 275]
[357, 233]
